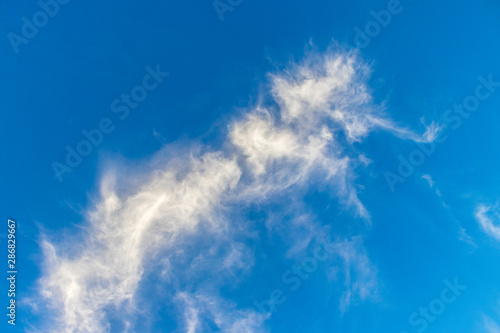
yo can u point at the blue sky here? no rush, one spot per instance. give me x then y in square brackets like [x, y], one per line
[172, 167]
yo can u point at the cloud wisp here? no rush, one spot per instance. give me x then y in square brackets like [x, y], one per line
[303, 135]
[488, 218]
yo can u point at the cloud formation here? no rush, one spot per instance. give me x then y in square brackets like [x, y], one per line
[360, 274]
[488, 218]
[199, 307]
[303, 134]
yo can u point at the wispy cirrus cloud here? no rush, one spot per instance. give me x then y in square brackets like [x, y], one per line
[360, 275]
[488, 218]
[489, 325]
[292, 141]
[200, 308]
[462, 233]
[431, 183]
[122, 232]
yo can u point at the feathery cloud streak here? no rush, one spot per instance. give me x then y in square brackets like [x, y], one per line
[291, 142]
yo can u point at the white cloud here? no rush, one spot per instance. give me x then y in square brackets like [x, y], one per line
[488, 218]
[272, 148]
[462, 233]
[123, 232]
[432, 132]
[360, 280]
[431, 183]
[200, 309]
[429, 180]
[332, 86]
[464, 237]
[280, 155]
